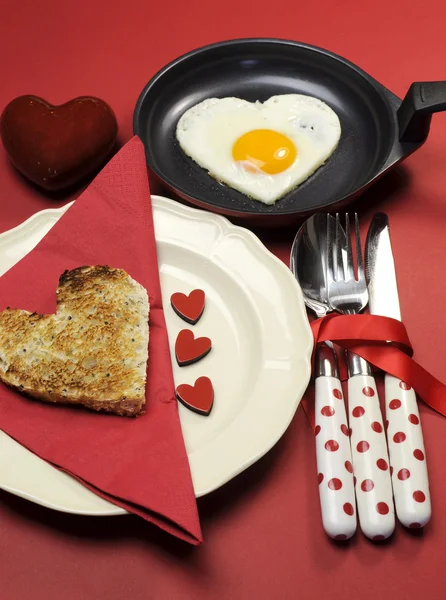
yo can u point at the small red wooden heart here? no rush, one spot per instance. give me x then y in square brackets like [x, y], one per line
[188, 349]
[198, 397]
[191, 307]
[57, 146]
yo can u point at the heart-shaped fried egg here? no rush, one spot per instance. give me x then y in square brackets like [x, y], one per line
[264, 150]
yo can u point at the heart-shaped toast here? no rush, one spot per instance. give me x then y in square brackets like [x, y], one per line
[198, 397]
[189, 307]
[57, 146]
[93, 351]
[189, 349]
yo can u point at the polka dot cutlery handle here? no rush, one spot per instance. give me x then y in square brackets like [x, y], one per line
[373, 484]
[407, 454]
[334, 460]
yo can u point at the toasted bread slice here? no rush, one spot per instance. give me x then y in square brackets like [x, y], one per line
[93, 351]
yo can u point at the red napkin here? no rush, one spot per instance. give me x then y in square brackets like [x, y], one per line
[137, 463]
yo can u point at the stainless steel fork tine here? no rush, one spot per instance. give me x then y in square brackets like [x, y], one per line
[330, 266]
[358, 250]
[346, 289]
[350, 268]
[340, 274]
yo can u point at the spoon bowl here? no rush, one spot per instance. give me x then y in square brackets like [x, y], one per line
[307, 262]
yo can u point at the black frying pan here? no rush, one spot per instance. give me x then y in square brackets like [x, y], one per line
[378, 129]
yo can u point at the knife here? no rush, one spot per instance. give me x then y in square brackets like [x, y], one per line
[407, 455]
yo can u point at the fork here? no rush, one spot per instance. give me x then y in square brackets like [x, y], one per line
[347, 294]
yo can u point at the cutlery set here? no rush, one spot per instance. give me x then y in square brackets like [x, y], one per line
[358, 465]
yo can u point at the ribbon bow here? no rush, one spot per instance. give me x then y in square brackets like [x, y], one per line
[384, 343]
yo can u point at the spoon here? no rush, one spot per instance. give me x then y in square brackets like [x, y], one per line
[307, 260]
[333, 453]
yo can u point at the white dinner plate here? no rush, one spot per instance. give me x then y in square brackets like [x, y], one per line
[259, 364]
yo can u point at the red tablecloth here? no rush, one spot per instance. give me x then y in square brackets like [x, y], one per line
[263, 536]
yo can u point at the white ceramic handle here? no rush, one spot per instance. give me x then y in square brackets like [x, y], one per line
[407, 454]
[373, 484]
[334, 460]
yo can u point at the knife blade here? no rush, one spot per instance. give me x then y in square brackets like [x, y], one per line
[405, 441]
[380, 270]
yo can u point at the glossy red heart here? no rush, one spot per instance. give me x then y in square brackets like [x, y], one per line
[189, 349]
[198, 397]
[188, 307]
[58, 146]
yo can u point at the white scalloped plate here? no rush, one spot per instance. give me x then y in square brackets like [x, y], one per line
[259, 365]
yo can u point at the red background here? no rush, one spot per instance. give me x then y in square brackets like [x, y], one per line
[263, 536]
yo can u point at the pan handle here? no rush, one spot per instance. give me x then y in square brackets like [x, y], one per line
[415, 112]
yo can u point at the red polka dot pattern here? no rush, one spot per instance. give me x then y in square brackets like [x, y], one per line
[367, 485]
[317, 429]
[348, 466]
[403, 474]
[344, 429]
[405, 386]
[399, 437]
[382, 508]
[331, 445]
[419, 496]
[348, 509]
[394, 404]
[362, 446]
[419, 454]
[335, 484]
[327, 411]
[358, 411]
[382, 464]
[377, 427]
[414, 419]
[368, 391]
[320, 478]
[337, 394]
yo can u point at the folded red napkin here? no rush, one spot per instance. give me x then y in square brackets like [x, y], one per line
[137, 463]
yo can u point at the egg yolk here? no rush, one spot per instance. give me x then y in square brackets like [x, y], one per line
[268, 150]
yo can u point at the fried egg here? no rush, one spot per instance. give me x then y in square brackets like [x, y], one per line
[264, 150]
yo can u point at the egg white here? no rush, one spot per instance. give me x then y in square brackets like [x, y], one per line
[207, 132]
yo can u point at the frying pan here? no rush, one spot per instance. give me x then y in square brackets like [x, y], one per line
[378, 129]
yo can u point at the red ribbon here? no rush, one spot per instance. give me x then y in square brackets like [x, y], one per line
[384, 343]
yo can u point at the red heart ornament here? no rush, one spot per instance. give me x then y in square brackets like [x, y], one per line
[188, 349]
[58, 146]
[198, 397]
[191, 307]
